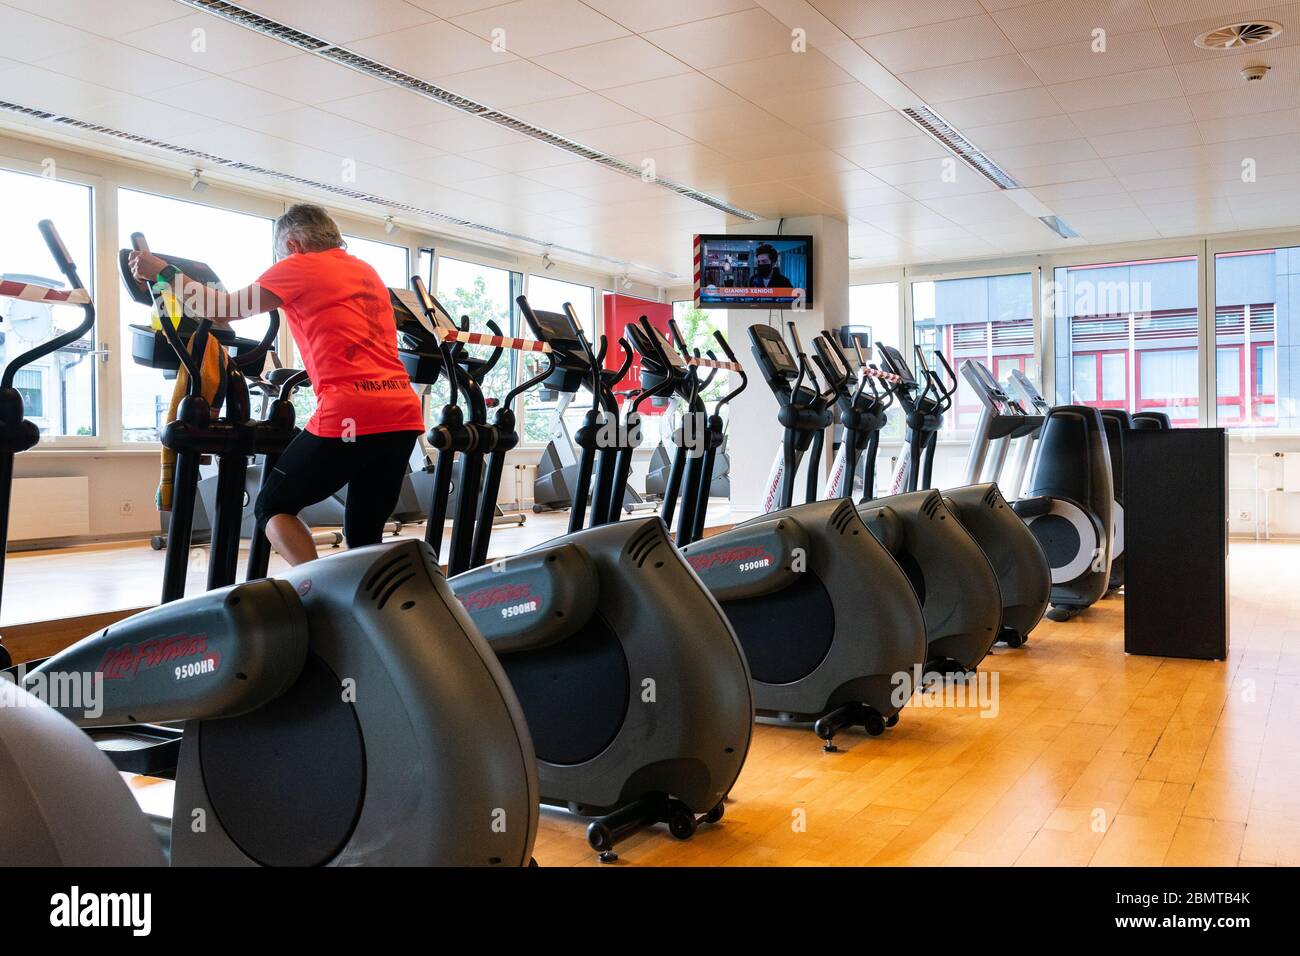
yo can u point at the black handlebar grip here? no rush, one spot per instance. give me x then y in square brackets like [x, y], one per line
[725, 347]
[138, 242]
[57, 249]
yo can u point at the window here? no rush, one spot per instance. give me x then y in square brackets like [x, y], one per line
[986, 318]
[539, 406]
[59, 394]
[481, 293]
[30, 384]
[237, 247]
[551, 294]
[874, 307]
[1256, 314]
[1122, 320]
[390, 261]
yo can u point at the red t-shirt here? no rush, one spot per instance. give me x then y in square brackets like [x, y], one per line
[341, 318]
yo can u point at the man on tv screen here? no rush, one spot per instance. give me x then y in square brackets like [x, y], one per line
[767, 270]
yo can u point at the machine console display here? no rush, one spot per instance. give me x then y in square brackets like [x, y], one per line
[893, 359]
[774, 349]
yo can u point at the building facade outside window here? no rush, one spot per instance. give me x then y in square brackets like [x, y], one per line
[1126, 336]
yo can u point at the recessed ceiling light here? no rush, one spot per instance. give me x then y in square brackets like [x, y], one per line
[951, 138]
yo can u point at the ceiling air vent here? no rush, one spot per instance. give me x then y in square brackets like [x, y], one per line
[1237, 36]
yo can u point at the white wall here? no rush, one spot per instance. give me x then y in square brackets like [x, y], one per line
[755, 433]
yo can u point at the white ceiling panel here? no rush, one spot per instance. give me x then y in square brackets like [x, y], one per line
[432, 50]
[1147, 140]
[509, 84]
[863, 18]
[1119, 90]
[1180, 11]
[106, 18]
[532, 28]
[1124, 53]
[341, 21]
[1249, 125]
[856, 130]
[939, 44]
[1132, 117]
[1001, 74]
[891, 152]
[1051, 173]
[569, 113]
[999, 107]
[832, 103]
[209, 44]
[1065, 21]
[1048, 129]
[29, 38]
[788, 72]
[720, 41]
[461, 135]
[393, 108]
[520, 157]
[641, 17]
[1256, 98]
[308, 79]
[1081, 188]
[641, 137]
[616, 62]
[1224, 72]
[673, 95]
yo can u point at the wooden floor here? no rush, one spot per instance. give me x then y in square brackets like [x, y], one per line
[1092, 757]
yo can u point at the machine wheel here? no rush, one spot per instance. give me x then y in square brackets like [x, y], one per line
[157, 542]
[714, 815]
[1011, 638]
[599, 837]
[892, 721]
[873, 724]
[1059, 614]
[682, 824]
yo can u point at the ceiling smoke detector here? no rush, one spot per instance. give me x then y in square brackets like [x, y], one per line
[1236, 36]
[1253, 74]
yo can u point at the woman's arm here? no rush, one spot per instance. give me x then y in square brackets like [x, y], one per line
[203, 301]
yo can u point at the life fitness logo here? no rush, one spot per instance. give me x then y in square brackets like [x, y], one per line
[512, 600]
[188, 654]
[748, 558]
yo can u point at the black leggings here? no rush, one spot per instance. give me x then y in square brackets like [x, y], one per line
[313, 468]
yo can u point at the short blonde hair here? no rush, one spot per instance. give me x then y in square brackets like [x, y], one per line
[308, 225]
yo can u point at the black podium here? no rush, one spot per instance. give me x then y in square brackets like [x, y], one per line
[1176, 543]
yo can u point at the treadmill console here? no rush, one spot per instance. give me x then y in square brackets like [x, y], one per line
[770, 350]
[1030, 391]
[987, 389]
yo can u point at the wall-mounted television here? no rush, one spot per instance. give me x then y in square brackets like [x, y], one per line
[753, 272]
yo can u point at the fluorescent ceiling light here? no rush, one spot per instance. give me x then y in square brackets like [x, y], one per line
[951, 138]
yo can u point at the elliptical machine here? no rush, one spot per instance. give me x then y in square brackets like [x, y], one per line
[822, 647]
[1069, 500]
[324, 717]
[632, 682]
[947, 570]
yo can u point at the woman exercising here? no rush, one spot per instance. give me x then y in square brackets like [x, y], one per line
[367, 416]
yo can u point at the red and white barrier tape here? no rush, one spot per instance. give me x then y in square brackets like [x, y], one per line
[884, 376]
[715, 363]
[492, 341]
[30, 292]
